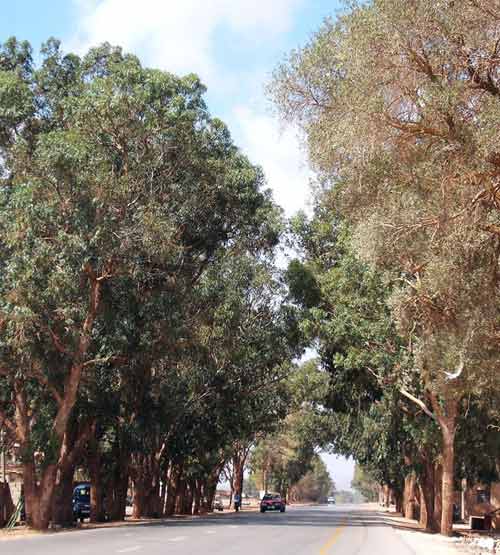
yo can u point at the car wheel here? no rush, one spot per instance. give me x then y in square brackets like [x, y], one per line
[262, 510]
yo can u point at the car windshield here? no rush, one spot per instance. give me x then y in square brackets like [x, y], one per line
[269, 496]
[82, 494]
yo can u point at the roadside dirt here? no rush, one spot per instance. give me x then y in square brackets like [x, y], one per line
[24, 531]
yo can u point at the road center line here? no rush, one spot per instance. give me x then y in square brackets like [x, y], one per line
[129, 549]
[177, 539]
[333, 538]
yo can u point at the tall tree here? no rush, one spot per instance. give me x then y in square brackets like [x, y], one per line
[117, 189]
[400, 103]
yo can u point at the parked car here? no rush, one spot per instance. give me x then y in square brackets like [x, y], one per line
[272, 502]
[81, 502]
[331, 501]
[218, 504]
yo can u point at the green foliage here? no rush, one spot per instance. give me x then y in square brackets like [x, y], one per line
[399, 105]
[316, 485]
[138, 292]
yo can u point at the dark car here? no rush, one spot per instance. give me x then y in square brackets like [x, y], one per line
[81, 502]
[272, 502]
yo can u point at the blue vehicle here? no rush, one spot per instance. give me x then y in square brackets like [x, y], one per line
[81, 502]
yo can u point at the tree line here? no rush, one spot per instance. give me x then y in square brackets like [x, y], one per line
[145, 339]
[398, 102]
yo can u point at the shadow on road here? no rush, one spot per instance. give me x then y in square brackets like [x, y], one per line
[294, 517]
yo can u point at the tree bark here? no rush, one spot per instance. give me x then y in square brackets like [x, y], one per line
[62, 506]
[409, 496]
[197, 497]
[173, 484]
[97, 512]
[179, 498]
[446, 415]
[398, 500]
[438, 494]
[448, 432]
[427, 493]
[39, 497]
[116, 501]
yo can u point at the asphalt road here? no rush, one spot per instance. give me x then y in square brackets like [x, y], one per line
[325, 530]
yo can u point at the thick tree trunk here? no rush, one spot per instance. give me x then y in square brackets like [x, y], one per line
[116, 501]
[187, 502]
[205, 507]
[197, 497]
[387, 496]
[97, 512]
[179, 497]
[448, 433]
[163, 490]
[139, 496]
[39, 497]
[211, 490]
[409, 496]
[62, 506]
[438, 494]
[239, 466]
[427, 496]
[398, 500]
[173, 485]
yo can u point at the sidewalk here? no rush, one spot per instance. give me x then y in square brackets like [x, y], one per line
[420, 541]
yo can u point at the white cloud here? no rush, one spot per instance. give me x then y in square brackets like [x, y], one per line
[278, 152]
[184, 36]
[180, 35]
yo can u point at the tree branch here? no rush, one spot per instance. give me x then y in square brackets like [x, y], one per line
[418, 402]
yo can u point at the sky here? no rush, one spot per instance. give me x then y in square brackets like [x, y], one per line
[233, 45]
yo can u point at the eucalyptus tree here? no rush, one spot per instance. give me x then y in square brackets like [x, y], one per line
[400, 102]
[117, 190]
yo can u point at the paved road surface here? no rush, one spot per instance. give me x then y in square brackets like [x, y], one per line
[326, 530]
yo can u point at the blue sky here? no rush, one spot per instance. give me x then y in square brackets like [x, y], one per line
[232, 44]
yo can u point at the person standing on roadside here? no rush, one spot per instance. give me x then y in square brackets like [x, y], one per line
[237, 501]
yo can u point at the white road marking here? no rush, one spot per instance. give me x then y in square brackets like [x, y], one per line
[210, 532]
[129, 549]
[177, 539]
[233, 526]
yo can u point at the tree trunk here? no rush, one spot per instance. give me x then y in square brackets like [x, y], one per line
[62, 505]
[197, 497]
[173, 485]
[448, 433]
[398, 500]
[116, 501]
[438, 494]
[427, 496]
[97, 513]
[409, 496]
[211, 490]
[138, 497]
[179, 498]
[163, 491]
[187, 502]
[387, 496]
[38, 497]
